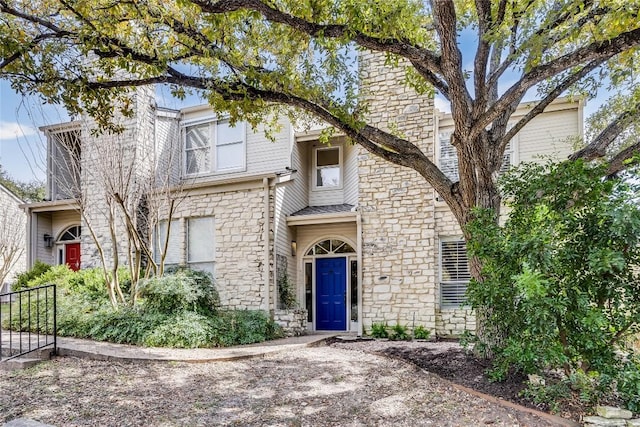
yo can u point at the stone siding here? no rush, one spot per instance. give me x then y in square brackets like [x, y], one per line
[123, 163]
[293, 322]
[239, 242]
[399, 267]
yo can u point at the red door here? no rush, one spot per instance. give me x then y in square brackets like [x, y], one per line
[72, 256]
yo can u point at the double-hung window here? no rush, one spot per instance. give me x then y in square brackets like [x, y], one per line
[454, 273]
[328, 170]
[192, 244]
[448, 157]
[212, 147]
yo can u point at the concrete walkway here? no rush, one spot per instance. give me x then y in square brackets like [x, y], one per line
[108, 351]
[98, 350]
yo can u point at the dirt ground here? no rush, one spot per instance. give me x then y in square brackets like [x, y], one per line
[320, 386]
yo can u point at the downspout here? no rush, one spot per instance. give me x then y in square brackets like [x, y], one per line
[360, 284]
[265, 231]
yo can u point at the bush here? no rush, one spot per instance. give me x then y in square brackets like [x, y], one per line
[176, 310]
[181, 290]
[23, 279]
[561, 276]
[421, 333]
[399, 333]
[379, 330]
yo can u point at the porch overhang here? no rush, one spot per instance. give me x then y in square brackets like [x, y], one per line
[323, 215]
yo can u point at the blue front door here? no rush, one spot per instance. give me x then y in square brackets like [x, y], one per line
[331, 294]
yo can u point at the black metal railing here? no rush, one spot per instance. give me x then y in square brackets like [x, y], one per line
[28, 321]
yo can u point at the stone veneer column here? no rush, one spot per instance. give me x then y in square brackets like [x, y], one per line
[134, 147]
[399, 268]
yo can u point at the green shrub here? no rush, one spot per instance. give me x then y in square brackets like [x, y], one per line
[182, 290]
[379, 330]
[399, 333]
[177, 310]
[182, 330]
[421, 333]
[235, 327]
[561, 278]
[23, 279]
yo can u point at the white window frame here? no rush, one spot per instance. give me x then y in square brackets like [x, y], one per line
[175, 233]
[459, 287]
[213, 147]
[315, 168]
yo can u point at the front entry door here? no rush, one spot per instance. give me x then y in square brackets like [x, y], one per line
[331, 294]
[72, 255]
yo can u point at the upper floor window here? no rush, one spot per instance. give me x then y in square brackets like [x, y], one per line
[328, 167]
[448, 157]
[214, 147]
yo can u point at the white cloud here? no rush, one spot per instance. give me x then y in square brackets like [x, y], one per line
[13, 130]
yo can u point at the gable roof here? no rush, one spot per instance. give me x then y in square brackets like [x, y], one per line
[11, 194]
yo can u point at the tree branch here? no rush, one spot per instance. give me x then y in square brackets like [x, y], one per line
[598, 147]
[595, 52]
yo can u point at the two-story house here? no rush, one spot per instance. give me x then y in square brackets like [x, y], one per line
[12, 238]
[362, 240]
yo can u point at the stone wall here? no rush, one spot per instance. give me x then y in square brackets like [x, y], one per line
[293, 321]
[399, 267]
[121, 163]
[239, 241]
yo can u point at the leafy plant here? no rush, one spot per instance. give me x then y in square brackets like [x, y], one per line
[286, 292]
[184, 289]
[379, 330]
[561, 278]
[23, 279]
[399, 333]
[421, 333]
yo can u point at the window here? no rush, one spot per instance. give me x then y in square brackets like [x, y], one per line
[330, 247]
[229, 146]
[448, 157]
[196, 237]
[197, 149]
[173, 245]
[214, 147]
[454, 273]
[328, 170]
[201, 243]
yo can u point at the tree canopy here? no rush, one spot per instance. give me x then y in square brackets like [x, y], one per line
[245, 56]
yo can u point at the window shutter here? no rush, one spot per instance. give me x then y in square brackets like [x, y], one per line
[507, 159]
[448, 157]
[454, 273]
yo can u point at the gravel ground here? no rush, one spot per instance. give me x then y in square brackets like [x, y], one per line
[321, 386]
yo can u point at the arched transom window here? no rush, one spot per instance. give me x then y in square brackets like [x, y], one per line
[328, 247]
[72, 233]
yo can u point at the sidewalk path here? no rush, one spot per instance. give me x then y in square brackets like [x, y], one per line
[99, 350]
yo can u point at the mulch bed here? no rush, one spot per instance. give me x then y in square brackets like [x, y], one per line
[461, 367]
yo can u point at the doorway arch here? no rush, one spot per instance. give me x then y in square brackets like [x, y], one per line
[68, 247]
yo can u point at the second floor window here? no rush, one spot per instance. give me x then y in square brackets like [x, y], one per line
[214, 147]
[448, 157]
[328, 167]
